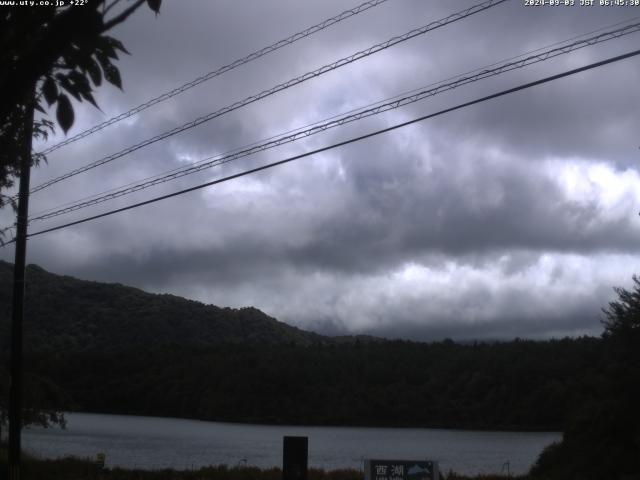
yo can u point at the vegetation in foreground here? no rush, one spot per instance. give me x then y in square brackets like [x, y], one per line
[81, 469]
[602, 437]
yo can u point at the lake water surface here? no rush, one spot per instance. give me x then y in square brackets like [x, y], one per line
[154, 443]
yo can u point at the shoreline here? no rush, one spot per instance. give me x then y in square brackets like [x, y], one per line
[179, 443]
[264, 423]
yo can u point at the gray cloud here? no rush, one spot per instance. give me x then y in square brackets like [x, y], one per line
[510, 218]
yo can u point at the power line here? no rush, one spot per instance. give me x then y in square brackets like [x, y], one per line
[281, 139]
[215, 73]
[282, 86]
[321, 127]
[459, 75]
[484, 67]
[346, 142]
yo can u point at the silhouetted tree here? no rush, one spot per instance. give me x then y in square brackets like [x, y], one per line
[602, 439]
[45, 401]
[48, 54]
[622, 318]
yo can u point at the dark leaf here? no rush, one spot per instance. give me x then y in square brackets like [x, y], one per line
[117, 44]
[64, 112]
[103, 60]
[85, 61]
[39, 108]
[94, 72]
[89, 97]
[50, 90]
[68, 86]
[71, 58]
[80, 82]
[154, 5]
[109, 51]
[104, 44]
[112, 75]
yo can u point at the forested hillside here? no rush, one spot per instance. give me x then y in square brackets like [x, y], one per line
[118, 349]
[66, 314]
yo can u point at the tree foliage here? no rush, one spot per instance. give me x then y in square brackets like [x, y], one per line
[44, 401]
[602, 439]
[50, 55]
[622, 318]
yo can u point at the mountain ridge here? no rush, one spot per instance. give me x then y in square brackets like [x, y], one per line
[69, 314]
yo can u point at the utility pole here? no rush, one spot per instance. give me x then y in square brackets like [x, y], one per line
[15, 391]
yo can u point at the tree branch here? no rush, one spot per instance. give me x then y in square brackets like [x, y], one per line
[109, 7]
[122, 17]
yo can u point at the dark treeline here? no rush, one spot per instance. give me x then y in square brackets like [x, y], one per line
[515, 385]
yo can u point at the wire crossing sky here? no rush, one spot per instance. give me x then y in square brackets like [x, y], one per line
[278, 88]
[363, 113]
[224, 69]
[629, 27]
[347, 142]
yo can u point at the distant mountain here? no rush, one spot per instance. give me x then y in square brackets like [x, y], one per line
[63, 313]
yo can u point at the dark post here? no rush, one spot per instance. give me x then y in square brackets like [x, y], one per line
[15, 391]
[294, 458]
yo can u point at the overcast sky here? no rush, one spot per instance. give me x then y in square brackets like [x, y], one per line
[515, 217]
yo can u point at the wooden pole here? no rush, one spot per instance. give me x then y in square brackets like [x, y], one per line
[15, 391]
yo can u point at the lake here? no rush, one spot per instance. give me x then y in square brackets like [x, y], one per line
[154, 443]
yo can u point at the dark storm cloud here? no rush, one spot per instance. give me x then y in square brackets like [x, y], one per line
[595, 119]
[467, 225]
[391, 216]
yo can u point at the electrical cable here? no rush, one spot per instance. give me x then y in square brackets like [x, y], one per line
[405, 93]
[300, 133]
[215, 73]
[282, 86]
[345, 142]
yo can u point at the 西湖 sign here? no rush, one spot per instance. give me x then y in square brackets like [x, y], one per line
[401, 470]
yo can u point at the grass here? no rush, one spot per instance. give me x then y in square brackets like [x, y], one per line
[72, 468]
[78, 469]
